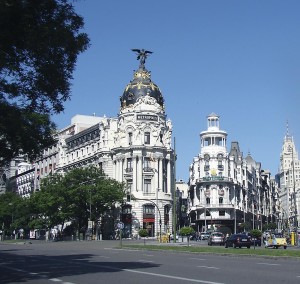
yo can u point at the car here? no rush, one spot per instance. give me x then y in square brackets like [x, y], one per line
[216, 238]
[204, 236]
[172, 237]
[276, 241]
[238, 241]
[255, 241]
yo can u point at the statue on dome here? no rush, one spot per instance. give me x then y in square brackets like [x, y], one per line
[142, 55]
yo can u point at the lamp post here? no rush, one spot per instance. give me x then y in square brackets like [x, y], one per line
[294, 191]
[205, 210]
[156, 217]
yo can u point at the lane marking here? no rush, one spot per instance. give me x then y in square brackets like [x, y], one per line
[173, 277]
[144, 260]
[193, 258]
[208, 267]
[265, 263]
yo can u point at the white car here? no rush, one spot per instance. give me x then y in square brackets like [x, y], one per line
[172, 237]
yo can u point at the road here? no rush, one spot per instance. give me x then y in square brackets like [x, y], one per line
[101, 262]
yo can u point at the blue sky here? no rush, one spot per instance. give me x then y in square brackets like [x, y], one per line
[239, 59]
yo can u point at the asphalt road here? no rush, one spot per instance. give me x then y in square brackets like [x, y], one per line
[101, 262]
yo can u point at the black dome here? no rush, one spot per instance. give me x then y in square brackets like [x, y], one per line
[141, 85]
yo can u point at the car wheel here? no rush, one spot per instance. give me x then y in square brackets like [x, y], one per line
[276, 247]
[248, 247]
[285, 247]
[240, 247]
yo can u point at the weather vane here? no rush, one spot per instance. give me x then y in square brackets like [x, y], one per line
[142, 55]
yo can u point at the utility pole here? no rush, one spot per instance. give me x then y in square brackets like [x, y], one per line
[174, 196]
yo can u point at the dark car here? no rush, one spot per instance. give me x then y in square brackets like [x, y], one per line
[238, 241]
[255, 241]
[216, 238]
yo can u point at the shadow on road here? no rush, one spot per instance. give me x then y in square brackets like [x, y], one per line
[15, 268]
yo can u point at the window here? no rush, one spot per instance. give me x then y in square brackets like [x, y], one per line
[147, 185]
[207, 200]
[148, 209]
[129, 165]
[129, 185]
[222, 213]
[220, 200]
[130, 138]
[147, 138]
[147, 165]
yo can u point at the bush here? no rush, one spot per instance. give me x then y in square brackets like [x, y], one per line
[186, 231]
[256, 233]
[143, 233]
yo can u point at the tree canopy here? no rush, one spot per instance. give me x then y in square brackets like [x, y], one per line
[39, 45]
[78, 196]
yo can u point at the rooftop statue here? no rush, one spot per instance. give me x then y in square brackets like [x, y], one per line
[142, 55]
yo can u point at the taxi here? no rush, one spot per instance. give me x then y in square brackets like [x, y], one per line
[276, 241]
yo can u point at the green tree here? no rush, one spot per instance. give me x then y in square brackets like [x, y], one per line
[187, 231]
[39, 45]
[143, 233]
[256, 233]
[48, 204]
[13, 213]
[78, 196]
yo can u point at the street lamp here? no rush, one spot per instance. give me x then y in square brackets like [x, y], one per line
[234, 209]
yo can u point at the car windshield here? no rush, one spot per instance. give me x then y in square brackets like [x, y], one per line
[218, 235]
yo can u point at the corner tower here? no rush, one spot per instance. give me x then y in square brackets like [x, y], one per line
[143, 157]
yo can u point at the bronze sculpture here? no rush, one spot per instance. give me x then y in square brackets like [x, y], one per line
[142, 55]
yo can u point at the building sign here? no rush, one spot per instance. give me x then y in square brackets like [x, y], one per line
[147, 117]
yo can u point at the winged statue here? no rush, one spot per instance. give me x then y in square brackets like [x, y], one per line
[142, 54]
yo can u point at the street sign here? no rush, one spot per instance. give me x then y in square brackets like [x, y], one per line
[120, 225]
[90, 224]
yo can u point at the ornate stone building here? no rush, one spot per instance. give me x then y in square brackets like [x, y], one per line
[227, 190]
[289, 183]
[134, 148]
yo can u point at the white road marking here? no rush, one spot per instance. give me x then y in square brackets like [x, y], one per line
[193, 258]
[209, 267]
[266, 263]
[143, 260]
[55, 279]
[172, 277]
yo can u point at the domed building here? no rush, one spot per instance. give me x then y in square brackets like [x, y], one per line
[134, 148]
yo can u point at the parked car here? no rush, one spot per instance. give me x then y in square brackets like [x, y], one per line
[276, 241]
[204, 235]
[216, 238]
[238, 241]
[255, 241]
[172, 237]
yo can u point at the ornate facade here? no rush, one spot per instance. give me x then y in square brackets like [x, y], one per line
[227, 190]
[289, 183]
[134, 148]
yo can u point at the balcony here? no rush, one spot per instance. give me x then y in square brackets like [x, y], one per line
[129, 170]
[147, 169]
[220, 167]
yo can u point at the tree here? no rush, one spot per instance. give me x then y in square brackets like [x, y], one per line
[143, 233]
[80, 195]
[39, 45]
[13, 212]
[187, 231]
[256, 233]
